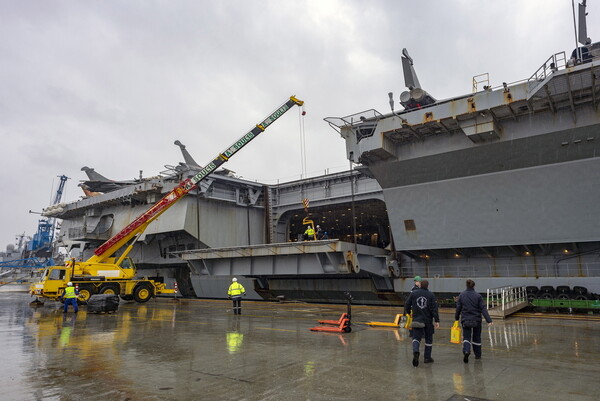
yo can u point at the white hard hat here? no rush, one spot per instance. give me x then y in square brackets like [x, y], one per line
[234, 279]
[70, 284]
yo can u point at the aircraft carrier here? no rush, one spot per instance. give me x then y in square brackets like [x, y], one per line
[498, 185]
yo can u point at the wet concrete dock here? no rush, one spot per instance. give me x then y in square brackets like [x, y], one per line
[198, 350]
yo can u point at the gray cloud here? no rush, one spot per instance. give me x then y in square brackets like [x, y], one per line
[112, 84]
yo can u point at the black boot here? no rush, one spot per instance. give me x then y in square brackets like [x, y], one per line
[466, 357]
[428, 360]
[415, 361]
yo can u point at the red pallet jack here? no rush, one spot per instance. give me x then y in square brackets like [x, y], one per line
[339, 326]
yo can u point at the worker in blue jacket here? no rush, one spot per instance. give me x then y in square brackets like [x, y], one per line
[416, 286]
[423, 305]
[469, 308]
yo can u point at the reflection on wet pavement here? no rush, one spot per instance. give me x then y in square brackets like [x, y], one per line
[199, 350]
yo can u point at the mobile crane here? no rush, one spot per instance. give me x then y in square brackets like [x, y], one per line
[107, 273]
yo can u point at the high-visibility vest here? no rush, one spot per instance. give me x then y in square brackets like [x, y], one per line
[310, 232]
[70, 292]
[234, 341]
[236, 289]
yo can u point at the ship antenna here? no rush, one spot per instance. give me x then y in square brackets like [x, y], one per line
[391, 96]
[581, 33]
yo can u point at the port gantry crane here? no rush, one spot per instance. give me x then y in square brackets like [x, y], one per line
[107, 274]
[41, 243]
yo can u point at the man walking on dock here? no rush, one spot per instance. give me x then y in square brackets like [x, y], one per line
[469, 308]
[235, 292]
[424, 307]
[416, 286]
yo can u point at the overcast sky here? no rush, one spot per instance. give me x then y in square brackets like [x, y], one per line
[112, 84]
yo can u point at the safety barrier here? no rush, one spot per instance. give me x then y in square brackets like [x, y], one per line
[554, 63]
[503, 301]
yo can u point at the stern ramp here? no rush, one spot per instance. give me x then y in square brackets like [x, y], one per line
[325, 257]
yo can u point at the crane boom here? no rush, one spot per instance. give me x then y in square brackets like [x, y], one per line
[137, 227]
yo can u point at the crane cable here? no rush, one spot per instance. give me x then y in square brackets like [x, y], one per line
[301, 114]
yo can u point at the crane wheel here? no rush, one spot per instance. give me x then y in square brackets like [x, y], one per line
[142, 292]
[110, 288]
[85, 292]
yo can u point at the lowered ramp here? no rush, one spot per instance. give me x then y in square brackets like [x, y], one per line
[325, 257]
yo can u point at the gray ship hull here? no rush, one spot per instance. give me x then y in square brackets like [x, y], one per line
[545, 203]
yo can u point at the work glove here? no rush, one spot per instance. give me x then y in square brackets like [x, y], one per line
[403, 320]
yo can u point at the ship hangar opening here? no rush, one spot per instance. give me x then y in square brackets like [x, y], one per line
[371, 227]
[371, 222]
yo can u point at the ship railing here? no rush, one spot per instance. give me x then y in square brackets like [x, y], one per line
[554, 63]
[505, 297]
[371, 116]
[590, 269]
[503, 301]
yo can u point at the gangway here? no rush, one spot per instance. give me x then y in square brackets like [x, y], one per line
[503, 301]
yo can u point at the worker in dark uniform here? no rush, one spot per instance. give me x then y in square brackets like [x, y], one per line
[235, 293]
[416, 286]
[319, 232]
[70, 298]
[424, 307]
[469, 308]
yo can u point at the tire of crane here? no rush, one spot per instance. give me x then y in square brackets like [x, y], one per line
[85, 292]
[142, 292]
[582, 297]
[563, 296]
[110, 288]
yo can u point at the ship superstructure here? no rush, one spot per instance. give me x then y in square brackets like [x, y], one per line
[499, 183]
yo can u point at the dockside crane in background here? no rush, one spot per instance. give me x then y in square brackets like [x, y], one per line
[107, 273]
[41, 243]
